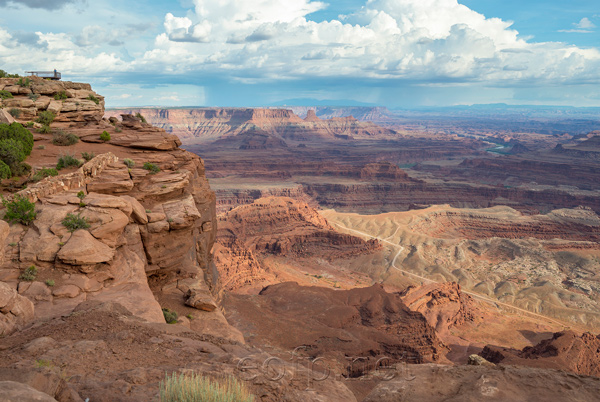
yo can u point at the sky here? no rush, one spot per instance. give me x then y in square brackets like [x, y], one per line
[394, 53]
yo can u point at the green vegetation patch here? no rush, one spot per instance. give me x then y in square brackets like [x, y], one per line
[5, 95]
[197, 388]
[64, 139]
[20, 210]
[151, 167]
[29, 274]
[67, 160]
[73, 222]
[43, 173]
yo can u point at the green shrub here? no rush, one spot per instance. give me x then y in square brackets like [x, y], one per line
[105, 136]
[81, 195]
[43, 173]
[129, 162]
[29, 124]
[118, 129]
[64, 139]
[50, 282]
[23, 82]
[41, 147]
[170, 316]
[12, 154]
[33, 97]
[142, 118]
[93, 99]
[151, 167]
[61, 95]
[22, 169]
[45, 129]
[5, 172]
[196, 388]
[29, 274]
[5, 95]
[46, 118]
[67, 160]
[17, 132]
[73, 222]
[20, 209]
[14, 112]
[88, 156]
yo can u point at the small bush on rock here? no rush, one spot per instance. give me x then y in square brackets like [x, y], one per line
[5, 95]
[14, 112]
[29, 274]
[105, 136]
[170, 316]
[129, 162]
[73, 222]
[141, 117]
[151, 167]
[43, 173]
[46, 118]
[88, 156]
[93, 99]
[20, 210]
[62, 95]
[64, 139]
[33, 97]
[67, 160]
[50, 282]
[23, 82]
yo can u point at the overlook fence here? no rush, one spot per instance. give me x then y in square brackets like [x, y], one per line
[53, 75]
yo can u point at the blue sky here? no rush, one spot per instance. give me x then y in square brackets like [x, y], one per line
[397, 53]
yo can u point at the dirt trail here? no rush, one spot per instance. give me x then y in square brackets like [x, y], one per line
[493, 302]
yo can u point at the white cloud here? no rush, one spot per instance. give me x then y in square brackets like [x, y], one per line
[585, 23]
[405, 39]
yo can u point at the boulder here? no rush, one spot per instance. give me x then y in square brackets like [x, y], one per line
[11, 391]
[181, 213]
[83, 249]
[5, 117]
[15, 310]
[201, 299]
[138, 210]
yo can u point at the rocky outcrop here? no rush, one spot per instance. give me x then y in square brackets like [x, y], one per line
[568, 350]
[15, 310]
[281, 227]
[443, 305]
[76, 102]
[287, 227]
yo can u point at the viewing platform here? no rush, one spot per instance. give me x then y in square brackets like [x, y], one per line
[52, 75]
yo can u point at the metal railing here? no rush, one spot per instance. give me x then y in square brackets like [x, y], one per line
[53, 75]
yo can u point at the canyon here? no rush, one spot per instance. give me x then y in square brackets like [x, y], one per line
[320, 257]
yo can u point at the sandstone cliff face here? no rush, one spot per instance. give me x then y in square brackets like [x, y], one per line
[135, 219]
[201, 125]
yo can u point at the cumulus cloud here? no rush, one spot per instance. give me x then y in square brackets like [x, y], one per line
[45, 4]
[585, 23]
[583, 26]
[438, 40]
